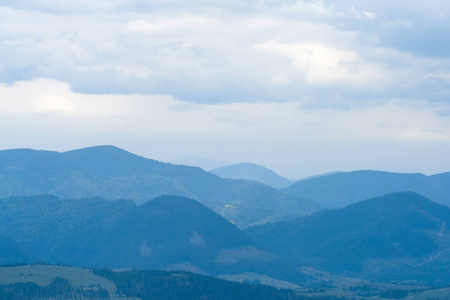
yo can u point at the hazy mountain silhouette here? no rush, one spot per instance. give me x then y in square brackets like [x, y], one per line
[113, 173]
[205, 163]
[399, 236]
[341, 189]
[249, 171]
[320, 175]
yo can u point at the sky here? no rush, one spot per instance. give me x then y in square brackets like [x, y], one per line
[302, 87]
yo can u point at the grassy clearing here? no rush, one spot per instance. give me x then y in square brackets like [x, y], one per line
[260, 279]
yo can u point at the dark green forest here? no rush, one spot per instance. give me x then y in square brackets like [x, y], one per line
[59, 289]
[149, 285]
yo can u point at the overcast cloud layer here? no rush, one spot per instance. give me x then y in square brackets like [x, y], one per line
[302, 87]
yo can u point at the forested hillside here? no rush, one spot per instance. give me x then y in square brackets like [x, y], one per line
[169, 232]
[400, 236]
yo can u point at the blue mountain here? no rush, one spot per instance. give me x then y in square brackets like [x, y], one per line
[399, 236]
[113, 173]
[249, 171]
[341, 189]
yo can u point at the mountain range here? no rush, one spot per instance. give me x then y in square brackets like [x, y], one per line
[399, 236]
[113, 173]
[396, 237]
[344, 188]
[103, 206]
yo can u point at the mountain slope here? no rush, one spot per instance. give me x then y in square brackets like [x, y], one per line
[167, 232]
[393, 237]
[41, 225]
[249, 171]
[339, 190]
[85, 232]
[112, 173]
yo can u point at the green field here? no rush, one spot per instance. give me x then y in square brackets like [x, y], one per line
[44, 274]
[331, 285]
[352, 288]
[363, 289]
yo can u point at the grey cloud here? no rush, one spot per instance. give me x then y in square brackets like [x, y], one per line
[204, 51]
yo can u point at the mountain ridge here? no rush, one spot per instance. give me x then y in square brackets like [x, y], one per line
[250, 171]
[342, 189]
[113, 173]
[372, 239]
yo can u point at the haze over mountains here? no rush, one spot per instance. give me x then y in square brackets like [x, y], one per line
[249, 171]
[341, 189]
[205, 163]
[103, 206]
[112, 173]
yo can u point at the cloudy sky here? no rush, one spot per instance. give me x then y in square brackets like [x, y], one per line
[302, 87]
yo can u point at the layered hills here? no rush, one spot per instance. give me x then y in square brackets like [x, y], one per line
[120, 234]
[249, 171]
[344, 188]
[396, 237]
[400, 236]
[169, 232]
[113, 173]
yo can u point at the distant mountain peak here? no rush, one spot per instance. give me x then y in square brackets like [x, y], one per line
[251, 171]
[103, 149]
[113, 173]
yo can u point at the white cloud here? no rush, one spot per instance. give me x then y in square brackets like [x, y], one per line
[369, 15]
[51, 104]
[185, 22]
[308, 9]
[441, 75]
[321, 64]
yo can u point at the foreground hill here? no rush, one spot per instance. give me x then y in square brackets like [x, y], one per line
[112, 173]
[400, 236]
[341, 189]
[169, 232]
[40, 226]
[249, 171]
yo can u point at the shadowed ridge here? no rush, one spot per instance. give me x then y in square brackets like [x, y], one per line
[166, 231]
[397, 236]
